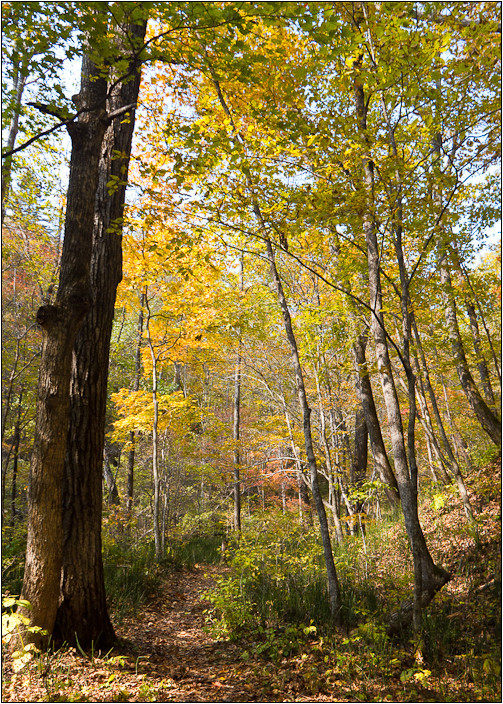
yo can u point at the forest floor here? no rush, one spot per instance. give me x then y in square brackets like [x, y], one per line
[167, 654]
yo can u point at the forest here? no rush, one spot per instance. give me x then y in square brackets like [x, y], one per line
[251, 351]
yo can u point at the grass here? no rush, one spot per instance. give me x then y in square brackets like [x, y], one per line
[194, 550]
[131, 576]
[132, 573]
[277, 577]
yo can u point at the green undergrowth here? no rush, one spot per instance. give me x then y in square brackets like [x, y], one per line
[274, 600]
[131, 576]
[277, 581]
[13, 557]
[197, 539]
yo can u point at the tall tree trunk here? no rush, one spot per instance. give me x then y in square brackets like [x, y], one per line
[453, 465]
[155, 438]
[330, 474]
[60, 323]
[481, 362]
[484, 324]
[358, 470]
[83, 611]
[304, 501]
[236, 421]
[366, 397]
[111, 484]
[235, 437]
[132, 434]
[359, 464]
[333, 582]
[406, 307]
[341, 435]
[130, 475]
[487, 419]
[431, 439]
[428, 578]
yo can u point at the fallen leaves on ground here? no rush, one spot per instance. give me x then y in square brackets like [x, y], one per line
[166, 654]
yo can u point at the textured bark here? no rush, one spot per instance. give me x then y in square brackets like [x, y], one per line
[366, 397]
[83, 612]
[60, 323]
[486, 417]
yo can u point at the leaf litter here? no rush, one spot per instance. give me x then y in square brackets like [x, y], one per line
[166, 653]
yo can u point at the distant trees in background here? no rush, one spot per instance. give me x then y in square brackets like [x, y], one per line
[308, 316]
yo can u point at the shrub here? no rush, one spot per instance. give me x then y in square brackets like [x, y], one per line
[278, 577]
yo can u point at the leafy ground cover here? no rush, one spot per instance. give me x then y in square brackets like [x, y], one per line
[169, 651]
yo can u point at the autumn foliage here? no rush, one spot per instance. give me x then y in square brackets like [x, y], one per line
[305, 358]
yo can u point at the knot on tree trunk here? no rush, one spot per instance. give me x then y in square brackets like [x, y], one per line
[78, 132]
[48, 316]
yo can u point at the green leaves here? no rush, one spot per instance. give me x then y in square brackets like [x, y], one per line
[15, 624]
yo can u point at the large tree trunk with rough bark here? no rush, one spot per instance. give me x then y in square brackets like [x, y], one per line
[83, 611]
[60, 323]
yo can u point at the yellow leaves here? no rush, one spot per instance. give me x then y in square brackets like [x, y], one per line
[352, 60]
[176, 413]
